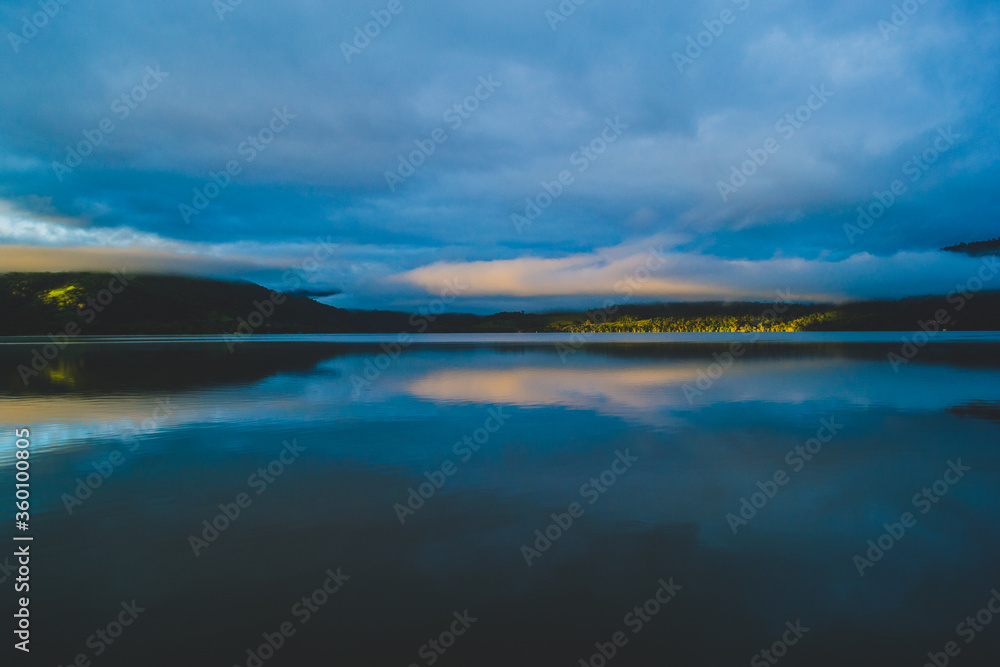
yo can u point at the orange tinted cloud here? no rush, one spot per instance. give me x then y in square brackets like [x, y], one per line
[95, 258]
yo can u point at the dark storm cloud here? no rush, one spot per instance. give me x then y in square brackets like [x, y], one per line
[188, 98]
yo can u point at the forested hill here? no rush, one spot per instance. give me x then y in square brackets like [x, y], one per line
[109, 304]
[42, 303]
[977, 249]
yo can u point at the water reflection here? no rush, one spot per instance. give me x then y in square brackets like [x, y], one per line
[367, 444]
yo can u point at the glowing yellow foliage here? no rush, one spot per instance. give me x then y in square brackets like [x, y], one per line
[64, 297]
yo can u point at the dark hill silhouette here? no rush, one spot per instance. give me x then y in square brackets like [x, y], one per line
[977, 249]
[101, 304]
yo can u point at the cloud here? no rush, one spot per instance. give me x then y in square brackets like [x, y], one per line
[324, 176]
[315, 267]
[624, 273]
[137, 260]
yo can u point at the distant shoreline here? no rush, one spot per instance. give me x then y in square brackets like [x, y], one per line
[543, 339]
[71, 305]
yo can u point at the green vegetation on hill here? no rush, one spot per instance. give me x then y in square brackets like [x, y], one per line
[42, 303]
[980, 313]
[103, 304]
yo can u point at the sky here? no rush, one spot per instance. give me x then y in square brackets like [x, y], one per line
[523, 155]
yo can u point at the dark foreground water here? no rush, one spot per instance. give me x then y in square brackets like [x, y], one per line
[644, 454]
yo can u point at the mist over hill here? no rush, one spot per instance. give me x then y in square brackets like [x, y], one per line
[121, 304]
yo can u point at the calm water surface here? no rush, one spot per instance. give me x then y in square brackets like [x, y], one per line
[513, 431]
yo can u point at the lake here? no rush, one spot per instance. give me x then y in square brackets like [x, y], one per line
[509, 500]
